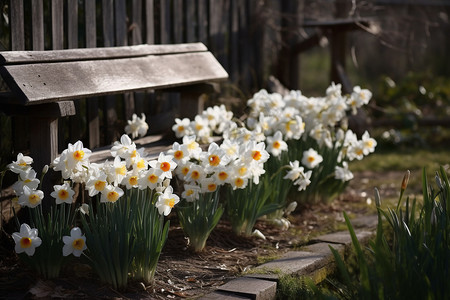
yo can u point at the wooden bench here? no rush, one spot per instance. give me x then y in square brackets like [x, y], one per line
[43, 84]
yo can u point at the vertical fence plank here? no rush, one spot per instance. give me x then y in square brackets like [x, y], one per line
[191, 21]
[218, 11]
[122, 40]
[75, 122]
[37, 15]
[57, 24]
[234, 42]
[244, 46]
[136, 22]
[109, 110]
[90, 24]
[72, 24]
[177, 19]
[108, 23]
[150, 21]
[19, 123]
[92, 103]
[120, 16]
[164, 15]
[136, 39]
[203, 22]
[17, 25]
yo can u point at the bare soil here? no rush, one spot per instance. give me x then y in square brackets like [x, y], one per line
[182, 273]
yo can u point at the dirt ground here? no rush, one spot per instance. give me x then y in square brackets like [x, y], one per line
[184, 274]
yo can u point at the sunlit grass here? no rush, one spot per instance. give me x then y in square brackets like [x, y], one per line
[402, 160]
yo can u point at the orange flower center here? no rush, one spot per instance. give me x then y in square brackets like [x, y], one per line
[153, 178]
[25, 242]
[112, 196]
[78, 244]
[214, 160]
[171, 202]
[185, 170]
[63, 194]
[256, 155]
[195, 175]
[223, 175]
[276, 144]
[165, 166]
[178, 154]
[311, 159]
[239, 182]
[99, 185]
[78, 155]
[133, 180]
[34, 199]
[212, 187]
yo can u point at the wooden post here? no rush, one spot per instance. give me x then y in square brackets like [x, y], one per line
[338, 47]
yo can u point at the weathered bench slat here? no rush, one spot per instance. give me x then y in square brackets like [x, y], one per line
[22, 57]
[47, 82]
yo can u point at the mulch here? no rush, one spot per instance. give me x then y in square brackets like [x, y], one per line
[182, 273]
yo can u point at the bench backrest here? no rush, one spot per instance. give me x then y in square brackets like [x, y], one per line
[37, 77]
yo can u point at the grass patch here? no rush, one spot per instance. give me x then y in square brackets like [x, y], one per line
[402, 160]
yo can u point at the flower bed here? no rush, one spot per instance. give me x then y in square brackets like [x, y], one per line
[286, 142]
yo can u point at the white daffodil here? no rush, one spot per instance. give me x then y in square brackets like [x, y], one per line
[77, 154]
[356, 151]
[30, 198]
[231, 148]
[63, 193]
[369, 143]
[343, 173]
[26, 178]
[253, 152]
[125, 148]
[192, 146]
[150, 178]
[191, 192]
[26, 240]
[182, 128]
[116, 171]
[165, 163]
[75, 243]
[214, 157]
[311, 158]
[276, 144]
[96, 183]
[167, 201]
[136, 126]
[295, 170]
[179, 152]
[111, 194]
[303, 181]
[21, 165]
[183, 169]
[131, 180]
[208, 185]
[196, 174]
[222, 175]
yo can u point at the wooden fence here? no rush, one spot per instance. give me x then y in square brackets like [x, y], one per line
[225, 26]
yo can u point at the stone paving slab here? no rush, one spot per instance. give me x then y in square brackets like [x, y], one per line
[343, 237]
[254, 288]
[223, 296]
[315, 260]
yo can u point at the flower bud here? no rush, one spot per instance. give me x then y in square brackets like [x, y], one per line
[377, 197]
[405, 180]
[290, 208]
[258, 234]
[45, 169]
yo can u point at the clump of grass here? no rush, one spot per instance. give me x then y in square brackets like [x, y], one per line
[410, 258]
